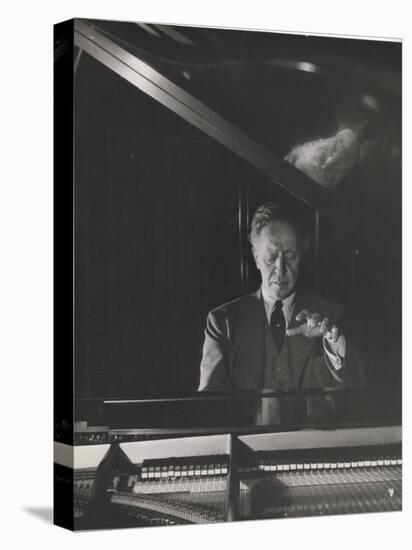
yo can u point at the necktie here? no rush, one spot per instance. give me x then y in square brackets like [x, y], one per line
[278, 325]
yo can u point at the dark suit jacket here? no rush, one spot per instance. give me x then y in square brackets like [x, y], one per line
[235, 356]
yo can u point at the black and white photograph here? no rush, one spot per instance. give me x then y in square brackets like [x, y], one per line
[204, 283]
[236, 206]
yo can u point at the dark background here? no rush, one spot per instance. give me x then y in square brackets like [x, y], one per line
[161, 209]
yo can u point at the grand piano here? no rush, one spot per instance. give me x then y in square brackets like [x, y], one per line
[181, 133]
[204, 459]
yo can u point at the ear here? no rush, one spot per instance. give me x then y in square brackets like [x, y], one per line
[255, 256]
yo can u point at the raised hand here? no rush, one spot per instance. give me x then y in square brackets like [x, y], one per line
[314, 326]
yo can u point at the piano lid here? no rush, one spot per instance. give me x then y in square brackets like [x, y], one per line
[264, 95]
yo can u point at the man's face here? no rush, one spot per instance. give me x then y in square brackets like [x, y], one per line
[277, 255]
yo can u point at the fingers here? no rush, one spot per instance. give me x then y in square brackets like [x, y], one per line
[301, 329]
[313, 320]
[315, 326]
[324, 326]
[302, 315]
[310, 328]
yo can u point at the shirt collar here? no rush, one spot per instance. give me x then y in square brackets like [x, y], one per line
[287, 303]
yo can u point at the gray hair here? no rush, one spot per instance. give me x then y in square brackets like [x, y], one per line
[271, 212]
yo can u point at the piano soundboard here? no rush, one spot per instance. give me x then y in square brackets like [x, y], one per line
[217, 478]
[324, 480]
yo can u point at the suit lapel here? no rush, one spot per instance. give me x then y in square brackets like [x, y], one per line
[259, 323]
[251, 344]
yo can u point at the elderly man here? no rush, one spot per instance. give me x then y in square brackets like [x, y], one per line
[281, 336]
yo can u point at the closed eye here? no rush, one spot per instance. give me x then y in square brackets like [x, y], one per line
[288, 256]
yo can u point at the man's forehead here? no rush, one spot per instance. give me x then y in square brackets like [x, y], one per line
[278, 234]
[280, 245]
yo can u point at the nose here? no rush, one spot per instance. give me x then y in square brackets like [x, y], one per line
[280, 264]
